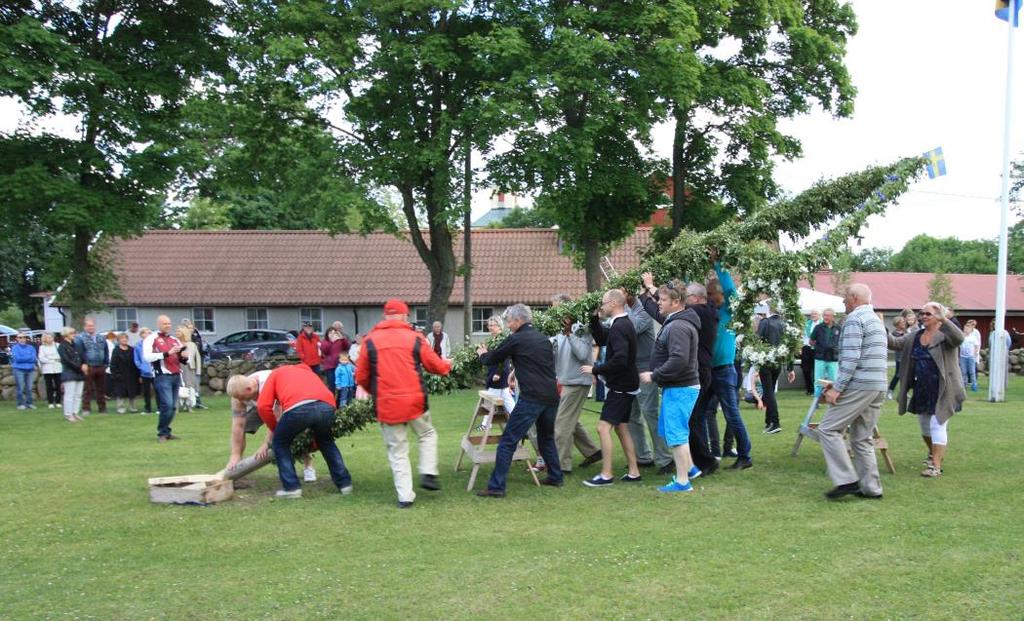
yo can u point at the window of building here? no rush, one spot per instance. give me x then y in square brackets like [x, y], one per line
[124, 318]
[256, 319]
[480, 317]
[202, 317]
[420, 317]
[314, 316]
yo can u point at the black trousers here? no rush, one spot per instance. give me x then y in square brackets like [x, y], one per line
[52, 382]
[769, 376]
[699, 449]
[807, 366]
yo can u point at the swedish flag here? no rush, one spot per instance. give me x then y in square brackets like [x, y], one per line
[936, 163]
[1003, 11]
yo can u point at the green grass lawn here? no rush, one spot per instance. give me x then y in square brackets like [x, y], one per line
[82, 541]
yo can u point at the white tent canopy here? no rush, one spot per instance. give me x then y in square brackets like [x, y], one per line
[816, 300]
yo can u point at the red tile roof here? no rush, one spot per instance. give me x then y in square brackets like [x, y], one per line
[898, 290]
[291, 268]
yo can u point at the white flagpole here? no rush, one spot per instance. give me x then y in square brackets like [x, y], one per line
[997, 351]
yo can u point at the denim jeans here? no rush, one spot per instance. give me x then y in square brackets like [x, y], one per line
[969, 371]
[522, 418]
[344, 395]
[725, 383]
[316, 416]
[24, 382]
[166, 386]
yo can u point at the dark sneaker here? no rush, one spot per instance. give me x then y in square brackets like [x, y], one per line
[730, 453]
[599, 481]
[668, 468]
[839, 491]
[593, 459]
[491, 493]
[551, 482]
[645, 464]
[773, 429]
[404, 504]
[430, 482]
[626, 478]
[861, 494]
[742, 464]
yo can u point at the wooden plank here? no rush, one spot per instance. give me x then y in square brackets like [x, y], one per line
[479, 440]
[186, 479]
[190, 489]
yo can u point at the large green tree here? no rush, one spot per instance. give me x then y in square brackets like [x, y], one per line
[120, 70]
[759, 63]
[599, 78]
[391, 92]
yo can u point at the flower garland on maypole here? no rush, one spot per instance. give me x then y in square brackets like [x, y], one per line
[743, 246]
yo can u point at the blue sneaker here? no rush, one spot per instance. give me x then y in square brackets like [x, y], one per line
[599, 481]
[676, 486]
[693, 473]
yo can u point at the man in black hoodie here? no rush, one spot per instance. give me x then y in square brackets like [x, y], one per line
[623, 383]
[695, 298]
[674, 368]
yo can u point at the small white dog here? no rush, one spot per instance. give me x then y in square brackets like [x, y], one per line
[186, 398]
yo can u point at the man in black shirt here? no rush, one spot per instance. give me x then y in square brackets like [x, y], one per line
[534, 361]
[623, 381]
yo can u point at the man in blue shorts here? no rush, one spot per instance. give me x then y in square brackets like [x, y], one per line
[674, 369]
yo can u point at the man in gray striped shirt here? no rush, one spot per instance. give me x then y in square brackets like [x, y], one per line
[856, 399]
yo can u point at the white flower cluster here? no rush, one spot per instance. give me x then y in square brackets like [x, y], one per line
[771, 355]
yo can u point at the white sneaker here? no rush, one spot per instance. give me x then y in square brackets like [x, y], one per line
[889, 395]
[345, 491]
[22, 407]
[283, 493]
[51, 406]
[309, 474]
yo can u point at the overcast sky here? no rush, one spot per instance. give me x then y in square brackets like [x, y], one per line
[929, 73]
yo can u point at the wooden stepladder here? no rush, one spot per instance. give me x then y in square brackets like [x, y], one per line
[484, 433]
[806, 426]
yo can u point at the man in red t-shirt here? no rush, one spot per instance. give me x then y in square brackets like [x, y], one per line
[305, 403]
[390, 368]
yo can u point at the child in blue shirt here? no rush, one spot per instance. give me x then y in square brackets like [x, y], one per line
[344, 380]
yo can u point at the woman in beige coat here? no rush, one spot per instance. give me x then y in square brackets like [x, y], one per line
[930, 373]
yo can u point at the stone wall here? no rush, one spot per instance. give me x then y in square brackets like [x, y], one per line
[215, 375]
[1016, 362]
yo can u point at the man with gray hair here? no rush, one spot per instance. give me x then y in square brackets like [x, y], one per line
[534, 361]
[856, 399]
[573, 352]
[645, 406]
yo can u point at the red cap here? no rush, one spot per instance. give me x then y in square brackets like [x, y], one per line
[395, 306]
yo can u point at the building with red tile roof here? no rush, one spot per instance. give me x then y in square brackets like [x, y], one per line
[237, 280]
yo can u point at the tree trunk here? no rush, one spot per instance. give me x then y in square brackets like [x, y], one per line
[592, 264]
[78, 292]
[678, 173]
[467, 245]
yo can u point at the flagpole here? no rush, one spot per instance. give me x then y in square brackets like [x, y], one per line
[997, 351]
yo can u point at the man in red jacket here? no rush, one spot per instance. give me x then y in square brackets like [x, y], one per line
[307, 346]
[390, 368]
[305, 404]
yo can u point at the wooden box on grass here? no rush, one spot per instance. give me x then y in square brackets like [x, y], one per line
[192, 489]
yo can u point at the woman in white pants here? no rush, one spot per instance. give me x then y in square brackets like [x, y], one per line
[72, 378]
